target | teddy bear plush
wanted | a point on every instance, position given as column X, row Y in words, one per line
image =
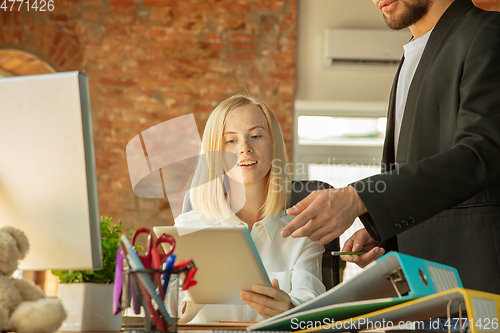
column 23, row 305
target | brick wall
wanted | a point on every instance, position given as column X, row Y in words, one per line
column 152, row 60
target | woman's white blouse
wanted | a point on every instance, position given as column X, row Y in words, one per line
column 294, row 262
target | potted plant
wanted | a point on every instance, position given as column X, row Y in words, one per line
column 88, row 295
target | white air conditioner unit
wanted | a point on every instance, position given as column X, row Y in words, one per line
column 364, row 47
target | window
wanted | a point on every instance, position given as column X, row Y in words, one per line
column 338, row 143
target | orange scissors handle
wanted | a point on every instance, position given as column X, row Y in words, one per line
column 146, row 258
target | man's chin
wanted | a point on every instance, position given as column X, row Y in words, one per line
column 408, row 15
column 395, row 24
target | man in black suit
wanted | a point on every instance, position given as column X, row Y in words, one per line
column 439, row 191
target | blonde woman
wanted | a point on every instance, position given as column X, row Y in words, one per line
column 252, row 193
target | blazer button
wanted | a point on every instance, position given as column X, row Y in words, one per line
column 411, row 219
column 404, row 223
column 397, row 226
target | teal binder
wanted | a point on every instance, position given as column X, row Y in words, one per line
column 393, row 279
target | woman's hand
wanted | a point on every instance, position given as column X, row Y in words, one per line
column 362, row 242
column 267, row 301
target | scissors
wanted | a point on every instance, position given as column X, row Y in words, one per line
column 152, row 259
column 152, row 253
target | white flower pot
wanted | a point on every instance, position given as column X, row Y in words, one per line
column 89, row 307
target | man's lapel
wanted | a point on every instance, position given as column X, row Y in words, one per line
column 388, row 157
column 432, row 46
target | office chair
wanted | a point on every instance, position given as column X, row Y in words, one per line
column 330, row 264
column 301, row 189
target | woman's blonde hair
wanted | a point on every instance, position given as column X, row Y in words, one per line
column 207, row 192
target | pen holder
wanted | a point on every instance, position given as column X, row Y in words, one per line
column 144, row 314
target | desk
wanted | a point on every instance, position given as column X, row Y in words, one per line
column 195, row 328
column 206, row 329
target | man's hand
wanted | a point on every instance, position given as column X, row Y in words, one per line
column 324, row 215
column 267, row 301
column 361, row 241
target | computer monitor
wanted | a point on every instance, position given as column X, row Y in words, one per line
column 47, row 170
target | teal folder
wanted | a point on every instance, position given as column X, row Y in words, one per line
column 393, row 279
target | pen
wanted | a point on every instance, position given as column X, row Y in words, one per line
column 169, row 265
column 340, row 253
column 146, row 284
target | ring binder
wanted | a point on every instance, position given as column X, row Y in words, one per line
column 397, row 276
column 480, row 317
column 393, row 279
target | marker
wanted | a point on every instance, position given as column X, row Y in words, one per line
column 339, row 253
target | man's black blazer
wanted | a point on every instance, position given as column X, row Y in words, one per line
column 442, row 199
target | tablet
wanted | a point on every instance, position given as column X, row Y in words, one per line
column 226, row 257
